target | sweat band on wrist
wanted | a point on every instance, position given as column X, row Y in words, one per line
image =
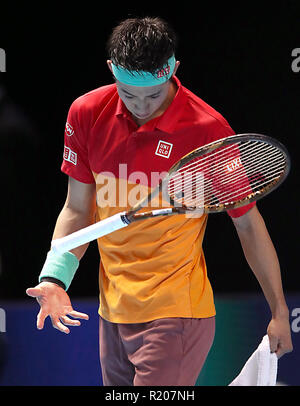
column 142, row 78
column 60, row 266
column 53, row 280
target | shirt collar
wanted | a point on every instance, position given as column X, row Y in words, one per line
column 168, row 120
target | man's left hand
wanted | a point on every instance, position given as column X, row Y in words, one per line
column 279, row 333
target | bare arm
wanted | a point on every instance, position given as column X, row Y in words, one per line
column 78, row 212
column 262, row 259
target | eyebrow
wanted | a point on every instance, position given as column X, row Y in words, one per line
column 130, row 94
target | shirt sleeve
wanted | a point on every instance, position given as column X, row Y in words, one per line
column 75, row 156
column 241, row 210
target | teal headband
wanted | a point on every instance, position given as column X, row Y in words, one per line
column 143, row 79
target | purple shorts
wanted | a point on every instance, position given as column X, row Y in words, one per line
column 163, row 352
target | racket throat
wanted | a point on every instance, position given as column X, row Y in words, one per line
column 125, row 218
column 131, row 217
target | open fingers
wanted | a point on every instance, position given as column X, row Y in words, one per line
column 40, row 321
column 56, row 323
column 78, row 315
column 69, row 322
column 61, row 321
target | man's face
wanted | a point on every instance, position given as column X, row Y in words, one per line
column 143, row 102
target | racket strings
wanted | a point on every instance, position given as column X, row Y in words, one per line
column 228, row 173
column 216, row 154
column 227, row 190
column 200, row 164
column 195, row 164
column 198, row 169
column 246, row 182
column 261, row 171
column 242, row 192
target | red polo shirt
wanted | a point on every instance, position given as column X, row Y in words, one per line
column 154, row 268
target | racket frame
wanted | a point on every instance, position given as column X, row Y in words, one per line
column 132, row 214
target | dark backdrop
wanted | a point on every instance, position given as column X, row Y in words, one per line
column 235, row 56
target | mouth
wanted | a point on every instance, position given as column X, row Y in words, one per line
column 142, row 116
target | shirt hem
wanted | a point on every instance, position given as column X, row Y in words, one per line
column 70, row 173
column 192, row 315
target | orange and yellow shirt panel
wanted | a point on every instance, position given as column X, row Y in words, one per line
column 153, row 268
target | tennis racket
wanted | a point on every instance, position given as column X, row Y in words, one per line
column 220, row 176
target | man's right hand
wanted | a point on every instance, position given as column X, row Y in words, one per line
column 55, row 302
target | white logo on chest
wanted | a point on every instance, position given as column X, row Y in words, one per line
column 164, row 149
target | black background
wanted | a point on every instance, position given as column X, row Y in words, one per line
column 234, row 55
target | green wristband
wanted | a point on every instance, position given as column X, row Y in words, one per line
column 60, row 266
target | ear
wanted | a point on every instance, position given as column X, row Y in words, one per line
column 109, row 65
column 176, row 67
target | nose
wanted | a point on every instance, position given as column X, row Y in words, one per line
column 142, row 106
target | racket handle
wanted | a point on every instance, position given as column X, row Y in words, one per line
column 90, row 233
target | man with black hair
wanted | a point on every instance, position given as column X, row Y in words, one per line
column 157, row 313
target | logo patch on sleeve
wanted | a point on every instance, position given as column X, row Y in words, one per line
column 70, row 156
column 164, row 149
column 69, row 129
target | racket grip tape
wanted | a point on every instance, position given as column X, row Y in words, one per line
column 90, row 233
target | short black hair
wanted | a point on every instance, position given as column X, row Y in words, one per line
column 143, row 44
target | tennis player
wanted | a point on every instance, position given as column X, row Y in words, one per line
column 157, row 313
